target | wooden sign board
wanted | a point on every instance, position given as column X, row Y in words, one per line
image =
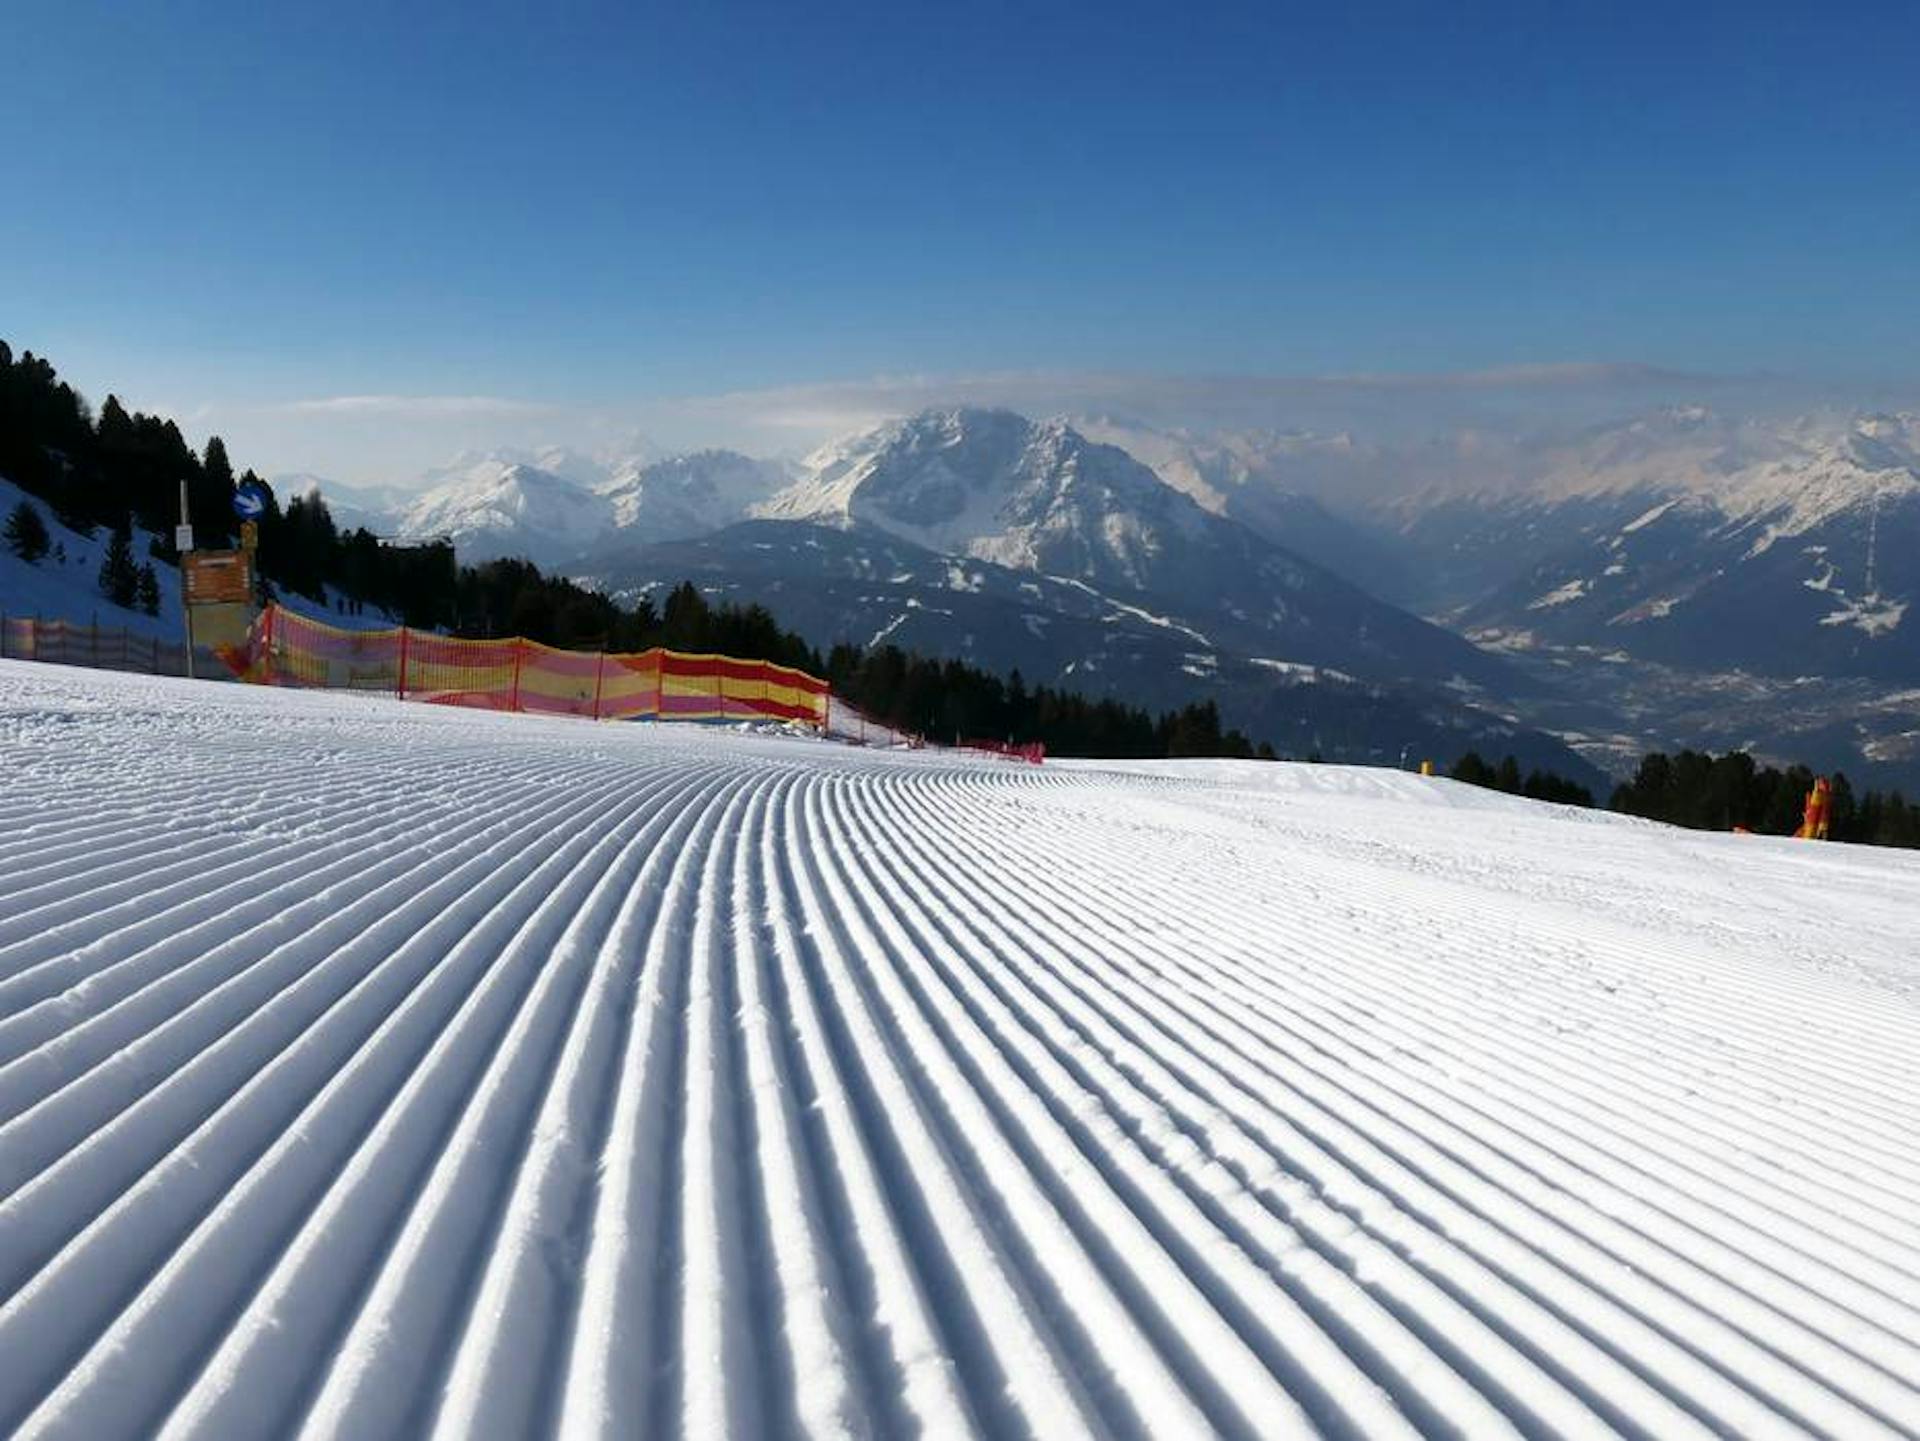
column 222, row 626
column 219, row 577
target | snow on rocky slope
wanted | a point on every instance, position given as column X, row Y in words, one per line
column 1040, row 498
column 64, row 584
column 496, row 508
column 681, row 496
column 559, row 504
column 372, row 1070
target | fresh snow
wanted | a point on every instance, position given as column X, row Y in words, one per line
column 1648, row 517
column 1293, row 670
column 52, row 590
column 372, row 1070
column 1561, row 595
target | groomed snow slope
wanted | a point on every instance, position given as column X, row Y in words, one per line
column 373, row 1070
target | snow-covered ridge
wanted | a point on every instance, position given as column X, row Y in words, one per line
column 553, row 505
column 65, row 583
column 379, row 1070
column 499, row 508
column 995, row 486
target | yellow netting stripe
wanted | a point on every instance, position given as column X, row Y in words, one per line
column 275, row 654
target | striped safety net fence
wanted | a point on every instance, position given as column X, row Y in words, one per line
column 62, row 642
column 848, row 723
column 524, row 675
column 1032, row 752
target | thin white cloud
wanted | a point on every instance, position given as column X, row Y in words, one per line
column 814, row 411
column 397, row 438
column 415, row 406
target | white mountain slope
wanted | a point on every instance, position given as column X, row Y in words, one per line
column 1677, row 520
column 996, row 486
column 1039, row 497
column 383, row 1070
column 683, row 496
column 503, row 504
column 496, row 508
column 64, row 584
column 1792, row 549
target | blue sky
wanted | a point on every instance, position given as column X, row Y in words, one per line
column 347, row 235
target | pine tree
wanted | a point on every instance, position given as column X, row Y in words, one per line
column 147, row 592
column 26, row 533
column 119, row 580
column 1474, row 771
column 216, row 466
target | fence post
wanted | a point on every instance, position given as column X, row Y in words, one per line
column 403, row 662
column 660, row 683
column 519, row 649
column 599, row 680
column 266, row 648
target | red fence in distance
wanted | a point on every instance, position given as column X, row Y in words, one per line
column 523, row 675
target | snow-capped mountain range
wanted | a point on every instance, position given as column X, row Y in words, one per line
column 1681, row 537
column 554, row 505
column 1649, row 535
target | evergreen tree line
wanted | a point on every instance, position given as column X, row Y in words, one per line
column 119, row 469
column 1719, row 793
column 949, row 700
column 1537, row 784
column 122, row 470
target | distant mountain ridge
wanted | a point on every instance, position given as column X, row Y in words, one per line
column 1684, row 539
column 555, row 505
column 1039, row 497
column 864, row 586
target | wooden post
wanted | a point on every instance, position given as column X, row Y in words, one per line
column 519, row 648
column 266, row 647
column 599, row 680
column 403, row 662
column 660, row 683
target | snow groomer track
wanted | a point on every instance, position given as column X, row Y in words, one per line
column 373, row 1070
